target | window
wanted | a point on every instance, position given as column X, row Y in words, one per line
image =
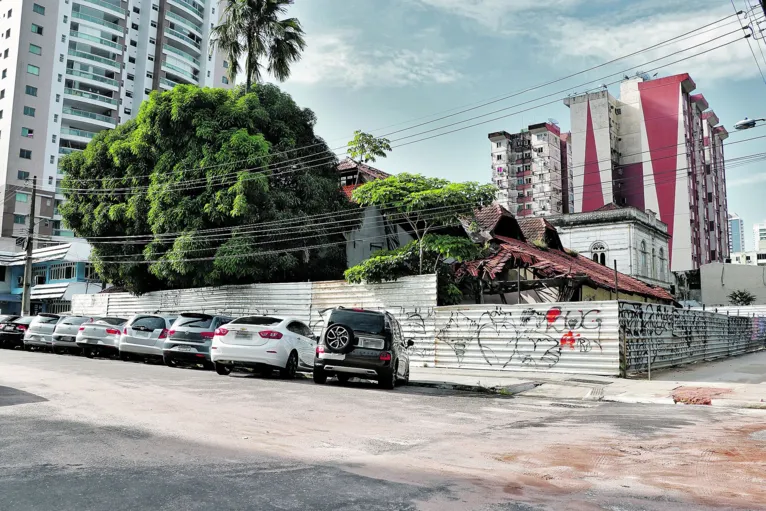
column 66, row 18
column 10, row 11
column 152, row 40
column 498, row 144
column 153, row 24
column 644, row 255
column 60, row 77
column 136, row 10
column 598, row 252
column 27, row 132
column 208, row 74
column 5, row 73
column 33, row 70
column 147, row 91
column 134, row 26
column 19, row 219
column 1, row 114
column 52, row 159
column 39, row 9
column 5, row 54
column 654, row 264
column 224, row 80
column 25, row 153
column 37, row 29
column 127, row 110
column 133, row 43
column 8, row 33
column 62, row 271
column 662, row 264
column 131, row 77
column 23, row 175
column 155, row 7
column 710, row 196
column 28, row 110
column 128, row 94
column 618, row 111
column 61, row 57
column 226, row 66
column 63, row 38
column 58, row 98
column 53, row 139
column 48, row 201
column 712, row 225
column 150, row 58
column 55, row 117
column 22, row 197
column 499, row 157
column 2, row 94
column 149, row 75
column 131, row 60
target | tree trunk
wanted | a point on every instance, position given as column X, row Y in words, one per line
column 420, row 245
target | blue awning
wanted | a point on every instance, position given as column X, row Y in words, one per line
column 10, row 298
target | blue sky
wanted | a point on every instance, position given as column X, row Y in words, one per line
column 386, row 65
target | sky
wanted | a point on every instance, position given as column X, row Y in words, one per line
column 387, row 66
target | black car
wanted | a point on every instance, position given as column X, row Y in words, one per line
column 363, row 343
column 12, row 332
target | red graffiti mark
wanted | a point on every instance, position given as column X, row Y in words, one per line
column 570, row 339
column 552, row 315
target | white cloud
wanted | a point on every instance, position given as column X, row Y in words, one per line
column 495, row 14
column 604, row 39
column 749, row 180
column 337, row 59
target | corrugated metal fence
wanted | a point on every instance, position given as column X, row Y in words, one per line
column 665, row 336
column 574, row 337
column 412, row 300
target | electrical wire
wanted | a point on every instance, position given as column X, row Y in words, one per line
column 749, row 45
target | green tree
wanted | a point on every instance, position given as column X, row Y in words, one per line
column 436, row 249
column 248, row 166
column 741, row 297
column 252, row 29
column 366, row 148
column 423, row 203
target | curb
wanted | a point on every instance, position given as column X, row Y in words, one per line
column 508, row 391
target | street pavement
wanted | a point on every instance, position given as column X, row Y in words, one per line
column 80, row 434
column 749, row 368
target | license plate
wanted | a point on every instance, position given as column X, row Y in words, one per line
column 332, row 356
column 139, row 333
column 185, row 348
column 242, row 335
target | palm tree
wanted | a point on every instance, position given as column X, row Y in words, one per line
column 252, row 28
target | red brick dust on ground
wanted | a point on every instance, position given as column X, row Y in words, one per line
column 697, row 395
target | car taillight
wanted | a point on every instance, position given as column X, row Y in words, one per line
column 21, row 327
column 357, row 309
column 164, row 333
column 270, row 334
column 207, row 335
column 221, row 331
column 125, row 331
column 320, row 350
column 83, row 328
column 171, row 332
column 111, row 331
column 385, row 356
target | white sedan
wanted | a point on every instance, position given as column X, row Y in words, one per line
column 264, row 343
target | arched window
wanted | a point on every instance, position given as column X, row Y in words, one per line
column 662, row 264
column 644, row 268
column 654, row 264
column 598, row 252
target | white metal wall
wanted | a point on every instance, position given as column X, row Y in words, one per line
column 573, row 337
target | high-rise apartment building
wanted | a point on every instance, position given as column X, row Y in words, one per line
column 527, row 169
column 736, row 234
column 759, row 237
column 71, row 68
column 657, row 148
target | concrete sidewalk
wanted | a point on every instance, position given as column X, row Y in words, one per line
column 592, row 388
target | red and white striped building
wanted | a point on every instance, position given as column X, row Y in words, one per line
column 657, row 148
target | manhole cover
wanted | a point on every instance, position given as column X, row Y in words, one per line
column 759, row 435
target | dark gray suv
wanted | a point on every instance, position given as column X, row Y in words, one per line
column 189, row 339
column 363, row 343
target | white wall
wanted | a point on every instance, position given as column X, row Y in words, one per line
column 371, row 231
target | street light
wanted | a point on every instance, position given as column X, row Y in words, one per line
column 746, row 124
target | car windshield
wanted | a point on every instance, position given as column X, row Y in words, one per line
column 46, row 320
column 74, row 320
column 26, row 320
column 148, row 323
column 6, row 318
column 193, row 322
column 111, row 321
column 256, row 320
column 369, row 322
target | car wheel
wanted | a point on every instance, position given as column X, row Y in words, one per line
column 320, row 376
column 339, row 338
column 222, row 369
column 406, row 378
column 125, row 357
column 87, row 352
column 27, row 347
column 343, row 378
column 169, row 362
column 291, row 367
column 387, row 379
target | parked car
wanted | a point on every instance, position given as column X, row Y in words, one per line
column 190, row 337
column 101, row 337
column 263, row 343
column 12, row 332
column 362, row 343
column 144, row 335
column 65, row 335
column 7, row 318
column 39, row 335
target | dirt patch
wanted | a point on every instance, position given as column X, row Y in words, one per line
column 697, row 395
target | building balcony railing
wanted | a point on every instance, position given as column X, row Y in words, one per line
column 181, row 72
column 89, row 115
column 94, row 58
column 191, row 6
column 180, row 53
column 63, row 232
column 97, row 21
column 182, row 37
column 94, row 39
column 89, row 95
column 78, row 133
column 68, row 150
column 107, row 5
column 167, row 83
column 91, row 76
column 185, row 21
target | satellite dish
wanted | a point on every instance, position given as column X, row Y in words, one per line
column 553, row 121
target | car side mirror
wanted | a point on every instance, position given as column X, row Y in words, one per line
column 410, row 343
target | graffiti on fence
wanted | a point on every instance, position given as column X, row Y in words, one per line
column 529, row 337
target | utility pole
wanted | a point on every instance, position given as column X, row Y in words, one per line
column 27, row 292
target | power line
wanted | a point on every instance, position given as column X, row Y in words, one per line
column 750, row 45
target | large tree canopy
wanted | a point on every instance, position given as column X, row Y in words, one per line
column 228, row 185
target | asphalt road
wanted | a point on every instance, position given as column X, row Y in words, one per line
column 79, row 434
column 750, row 368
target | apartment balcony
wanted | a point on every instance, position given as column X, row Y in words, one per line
column 79, row 115
column 175, row 51
column 89, row 97
column 185, row 22
column 93, row 79
column 89, row 58
column 107, row 5
column 107, row 44
column 76, row 135
column 180, row 73
column 186, row 41
column 66, row 151
column 99, row 22
column 189, row 6
column 167, row 84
